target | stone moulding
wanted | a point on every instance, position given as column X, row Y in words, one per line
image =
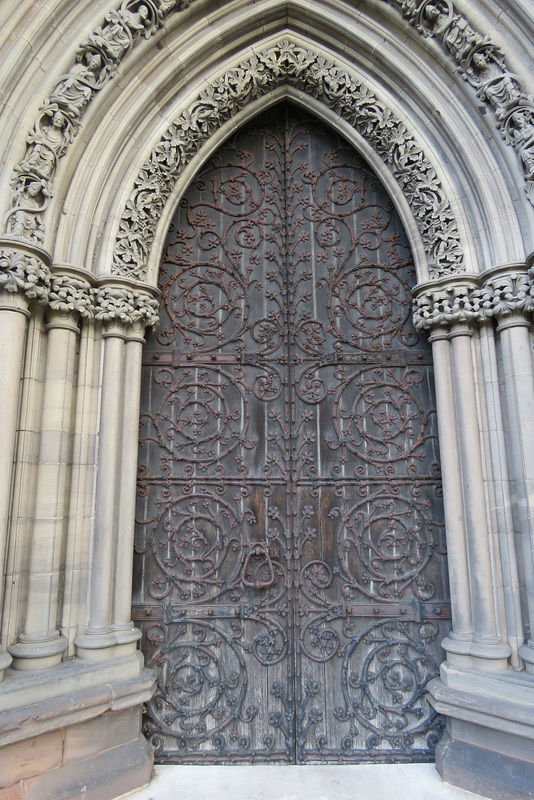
column 482, row 63
column 98, row 58
column 494, row 297
column 323, row 79
column 96, row 62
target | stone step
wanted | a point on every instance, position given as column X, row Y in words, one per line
column 361, row 782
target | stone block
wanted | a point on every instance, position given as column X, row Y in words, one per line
column 101, row 777
column 484, row 771
column 31, row 757
column 98, row 735
column 13, row 792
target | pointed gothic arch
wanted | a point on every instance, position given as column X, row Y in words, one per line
column 435, row 73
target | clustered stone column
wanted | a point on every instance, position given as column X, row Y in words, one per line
column 124, row 315
column 117, row 312
column 450, row 310
column 479, row 327
column 24, row 277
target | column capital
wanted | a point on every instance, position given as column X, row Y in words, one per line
column 130, row 303
column 445, row 302
column 71, row 291
column 504, row 294
column 24, row 268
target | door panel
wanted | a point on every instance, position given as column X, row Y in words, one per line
column 290, row 569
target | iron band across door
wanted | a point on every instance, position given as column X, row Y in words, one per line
column 175, row 613
column 290, row 568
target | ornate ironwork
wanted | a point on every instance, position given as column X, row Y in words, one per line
column 291, row 561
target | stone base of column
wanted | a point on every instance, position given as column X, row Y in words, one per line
column 99, row 760
column 488, row 748
column 74, row 726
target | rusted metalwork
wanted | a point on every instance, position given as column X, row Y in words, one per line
column 290, row 569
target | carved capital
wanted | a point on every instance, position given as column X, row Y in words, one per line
column 446, row 306
column 117, row 303
column 24, row 269
column 507, row 294
column 70, row 294
column 496, row 294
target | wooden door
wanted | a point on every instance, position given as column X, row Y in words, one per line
column 290, row 574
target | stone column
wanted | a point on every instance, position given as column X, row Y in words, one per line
column 512, row 304
column 449, row 311
column 488, row 650
column 41, row 644
column 489, row 706
column 499, row 491
column 125, row 631
column 457, row 643
column 123, row 312
column 24, row 276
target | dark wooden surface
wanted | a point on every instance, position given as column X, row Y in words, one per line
column 290, row 573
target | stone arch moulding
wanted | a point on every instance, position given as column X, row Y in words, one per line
column 480, row 62
column 288, row 63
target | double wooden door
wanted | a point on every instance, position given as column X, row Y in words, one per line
column 290, row 573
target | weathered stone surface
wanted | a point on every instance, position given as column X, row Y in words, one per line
column 102, row 777
column 31, row 757
column 100, row 734
column 485, row 771
column 438, row 96
column 13, row 792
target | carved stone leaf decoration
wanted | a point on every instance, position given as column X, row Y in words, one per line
column 499, row 297
column 96, row 62
column 321, row 78
column 70, row 294
column 118, row 304
column 482, row 63
column 26, row 273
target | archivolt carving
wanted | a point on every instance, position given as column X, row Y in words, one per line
column 98, row 57
column 321, row 78
column 498, row 297
column 481, row 63
column 97, row 60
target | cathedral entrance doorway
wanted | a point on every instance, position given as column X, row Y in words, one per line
column 290, row 574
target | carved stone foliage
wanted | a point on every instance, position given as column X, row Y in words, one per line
column 120, row 304
column 96, row 62
column 69, row 294
column 482, row 63
column 24, row 272
column 321, row 78
column 498, row 297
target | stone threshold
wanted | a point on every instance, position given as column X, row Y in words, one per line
column 310, row 782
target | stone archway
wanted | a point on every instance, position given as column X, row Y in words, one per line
column 68, row 549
